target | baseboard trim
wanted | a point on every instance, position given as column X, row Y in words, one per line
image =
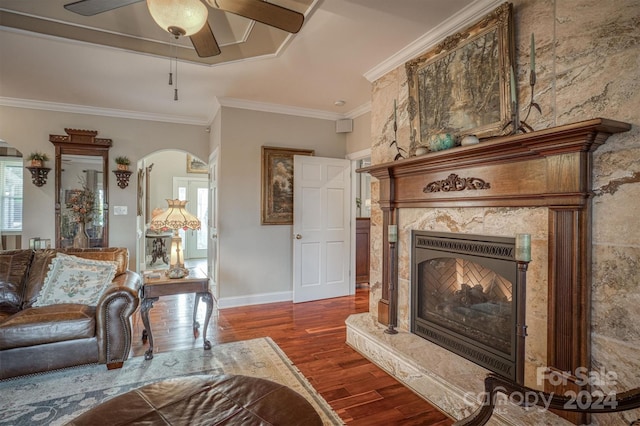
column 254, row 299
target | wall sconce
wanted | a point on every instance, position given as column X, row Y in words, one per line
column 123, row 177
column 39, row 175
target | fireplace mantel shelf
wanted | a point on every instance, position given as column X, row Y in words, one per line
column 543, row 168
column 549, row 168
column 576, row 137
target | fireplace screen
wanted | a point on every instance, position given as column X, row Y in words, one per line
column 463, row 296
column 467, row 298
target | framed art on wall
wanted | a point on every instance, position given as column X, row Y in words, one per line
column 277, row 185
column 195, row 166
column 462, row 86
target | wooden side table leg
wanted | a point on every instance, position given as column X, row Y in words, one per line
column 196, row 324
column 208, row 299
column 145, row 306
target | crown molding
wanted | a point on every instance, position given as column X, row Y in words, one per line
column 105, row 112
column 165, row 118
column 361, row 110
column 452, row 25
column 279, row 109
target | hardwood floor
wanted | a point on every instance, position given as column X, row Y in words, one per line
column 313, row 336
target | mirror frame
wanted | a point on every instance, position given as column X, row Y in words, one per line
column 81, row 142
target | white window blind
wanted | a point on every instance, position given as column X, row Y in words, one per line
column 10, row 194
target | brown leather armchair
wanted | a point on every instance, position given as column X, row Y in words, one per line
column 38, row 339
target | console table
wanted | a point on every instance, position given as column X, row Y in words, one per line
column 156, row 284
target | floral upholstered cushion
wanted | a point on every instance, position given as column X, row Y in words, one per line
column 73, row 279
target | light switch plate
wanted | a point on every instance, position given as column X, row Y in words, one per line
column 119, row 210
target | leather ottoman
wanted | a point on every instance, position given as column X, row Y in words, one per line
column 205, row 400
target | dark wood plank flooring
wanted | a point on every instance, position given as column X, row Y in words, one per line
column 313, row 336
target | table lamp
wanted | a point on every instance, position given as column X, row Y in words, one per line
column 175, row 217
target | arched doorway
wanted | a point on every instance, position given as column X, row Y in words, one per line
column 171, row 174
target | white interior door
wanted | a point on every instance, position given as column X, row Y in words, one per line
column 321, row 228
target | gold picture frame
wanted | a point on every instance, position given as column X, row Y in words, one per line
column 462, row 86
column 276, row 198
column 195, row 165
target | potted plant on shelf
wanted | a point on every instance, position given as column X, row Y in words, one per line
column 37, row 159
column 122, row 162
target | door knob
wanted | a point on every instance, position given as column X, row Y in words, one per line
column 298, row 236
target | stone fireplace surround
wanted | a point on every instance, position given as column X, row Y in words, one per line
column 539, row 183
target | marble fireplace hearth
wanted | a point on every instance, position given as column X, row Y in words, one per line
column 448, row 381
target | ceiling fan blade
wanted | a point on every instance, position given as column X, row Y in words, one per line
column 205, row 42
column 261, row 11
column 93, row 7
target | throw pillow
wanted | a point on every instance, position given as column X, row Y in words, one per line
column 72, row 279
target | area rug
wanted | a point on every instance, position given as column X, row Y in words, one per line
column 57, row 397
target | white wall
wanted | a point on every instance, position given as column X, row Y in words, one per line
column 167, row 164
column 360, row 138
column 28, row 130
column 256, row 260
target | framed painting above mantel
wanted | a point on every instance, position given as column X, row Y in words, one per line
column 462, row 86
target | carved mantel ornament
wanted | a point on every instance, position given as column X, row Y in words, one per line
column 456, row 183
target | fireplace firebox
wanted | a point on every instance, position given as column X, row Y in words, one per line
column 464, row 294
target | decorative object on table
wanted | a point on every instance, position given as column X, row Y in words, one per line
column 276, row 201
column 37, row 159
column 38, row 243
column 441, row 141
column 81, row 206
column 174, row 218
column 196, row 166
column 469, row 140
column 395, row 134
column 461, row 86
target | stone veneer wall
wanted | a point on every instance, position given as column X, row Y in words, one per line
column 587, row 64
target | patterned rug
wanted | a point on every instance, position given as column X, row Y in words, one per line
column 57, row 397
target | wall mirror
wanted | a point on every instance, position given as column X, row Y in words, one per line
column 82, row 189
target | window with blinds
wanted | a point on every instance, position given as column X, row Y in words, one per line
column 10, row 194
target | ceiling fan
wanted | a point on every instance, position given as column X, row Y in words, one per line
column 170, row 15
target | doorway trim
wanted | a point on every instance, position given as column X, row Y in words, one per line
column 354, row 157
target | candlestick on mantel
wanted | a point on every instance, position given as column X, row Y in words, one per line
column 523, row 247
column 512, row 85
column 395, row 111
column 533, row 53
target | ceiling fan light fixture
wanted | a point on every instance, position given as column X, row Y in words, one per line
column 179, row 17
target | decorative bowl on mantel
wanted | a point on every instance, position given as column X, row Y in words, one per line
column 441, row 141
column 421, row 150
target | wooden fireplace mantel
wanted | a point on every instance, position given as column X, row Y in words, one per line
column 546, row 168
